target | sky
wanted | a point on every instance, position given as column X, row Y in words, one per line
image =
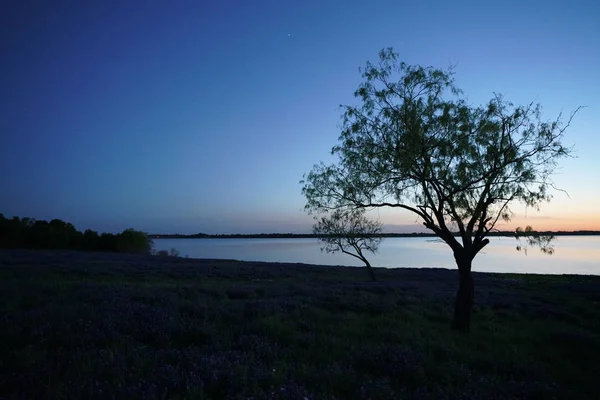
column 203, row 116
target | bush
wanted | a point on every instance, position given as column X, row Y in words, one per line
column 167, row 253
column 132, row 241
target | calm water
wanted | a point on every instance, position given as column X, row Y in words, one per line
column 574, row 254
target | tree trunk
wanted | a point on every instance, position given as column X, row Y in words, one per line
column 465, row 296
column 370, row 269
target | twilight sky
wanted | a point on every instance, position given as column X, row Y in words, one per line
column 202, row 116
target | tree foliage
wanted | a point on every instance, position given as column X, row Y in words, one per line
column 534, row 239
column 350, row 232
column 410, row 146
column 28, row 233
column 132, row 241
column 414, row 143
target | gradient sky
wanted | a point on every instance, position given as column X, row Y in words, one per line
column 202, row 116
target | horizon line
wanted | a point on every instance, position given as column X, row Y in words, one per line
column 511, row 232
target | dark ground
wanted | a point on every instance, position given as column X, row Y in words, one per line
column 101, row 326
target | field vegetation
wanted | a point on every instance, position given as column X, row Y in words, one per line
column 106, row 326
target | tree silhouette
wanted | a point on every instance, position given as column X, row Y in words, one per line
column 350, row 232
column 415, row 144
column 132, row 241
column 17, row 233
column 90, row 240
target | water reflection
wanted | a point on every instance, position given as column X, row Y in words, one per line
column 574, row 254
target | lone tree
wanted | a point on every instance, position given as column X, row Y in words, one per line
column 350, row 232
column 415, row 144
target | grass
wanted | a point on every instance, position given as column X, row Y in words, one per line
column 100, row 326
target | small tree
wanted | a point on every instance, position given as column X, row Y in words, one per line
column 347, row 231
column 414, row 144
column 132, row 241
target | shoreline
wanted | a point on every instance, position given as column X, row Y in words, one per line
column 23, row 256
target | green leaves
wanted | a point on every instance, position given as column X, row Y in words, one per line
column 413, row 142
column 534, row 239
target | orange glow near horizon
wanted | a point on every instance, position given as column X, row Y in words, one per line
column 582, row 221
column 591, row 223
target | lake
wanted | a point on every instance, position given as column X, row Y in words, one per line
column 573, row 254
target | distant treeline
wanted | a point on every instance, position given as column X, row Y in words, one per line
column 28, row 233
column 311, row 236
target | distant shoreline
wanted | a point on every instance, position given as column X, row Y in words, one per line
column 313, row 236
